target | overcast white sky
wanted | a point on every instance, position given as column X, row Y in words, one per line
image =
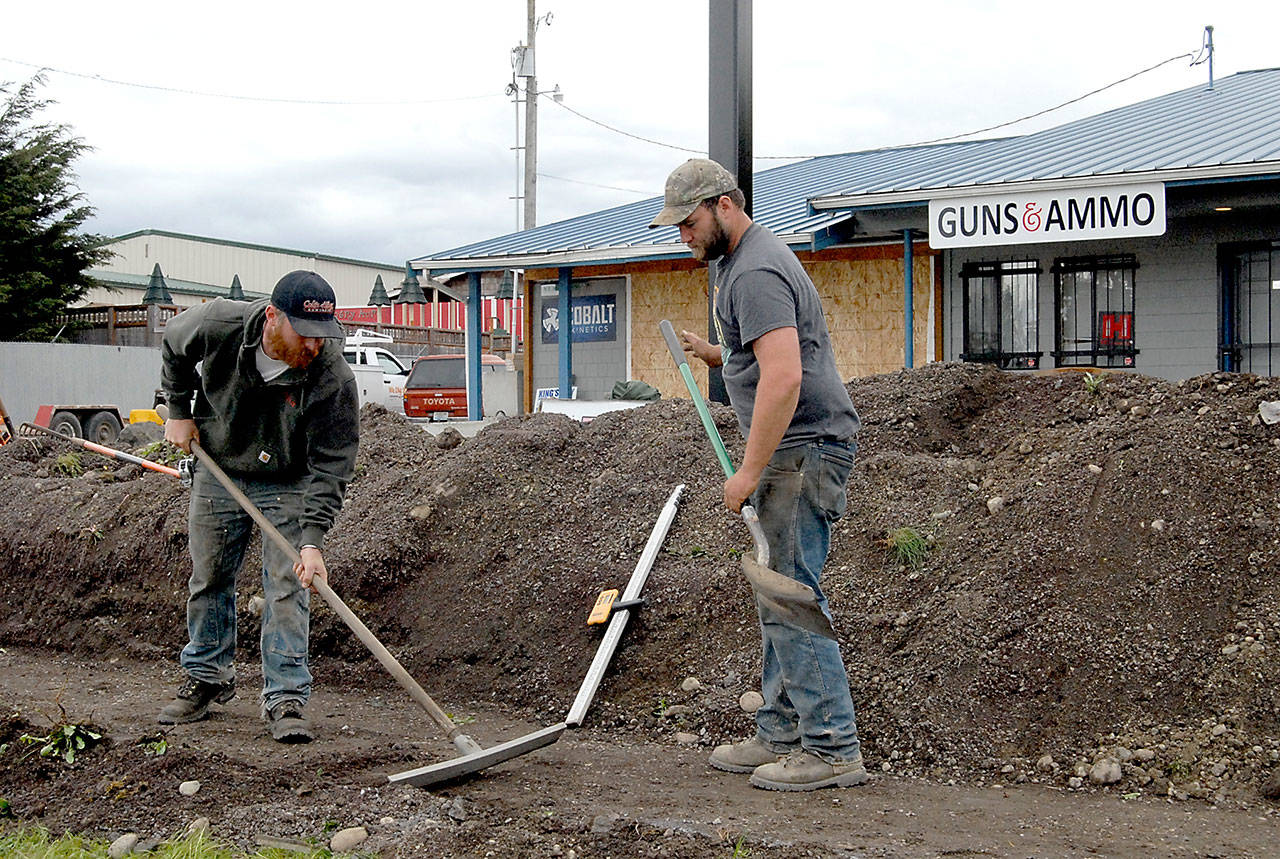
column 435, row 168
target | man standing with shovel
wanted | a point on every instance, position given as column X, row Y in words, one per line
column 794, row 411
column 276, row 406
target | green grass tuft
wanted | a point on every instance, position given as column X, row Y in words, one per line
column 908, row 545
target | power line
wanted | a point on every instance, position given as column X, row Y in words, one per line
column 900, row 146
column 614, row 129
column 596, row 185
column 1055, row 107
column 236, row 97
column 608, row 127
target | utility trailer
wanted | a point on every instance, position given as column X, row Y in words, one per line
column 100, row 424
column 87, row 390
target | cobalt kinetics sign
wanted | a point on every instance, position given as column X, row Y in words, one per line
column 595, row 318
column 1119, row 211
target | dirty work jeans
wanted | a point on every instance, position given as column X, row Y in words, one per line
column 219, row 534
column 804, row 684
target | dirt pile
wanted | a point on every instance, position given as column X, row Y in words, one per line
column 1098, row 600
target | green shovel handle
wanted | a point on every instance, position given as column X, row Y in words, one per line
column 677, row 352
column 748, row 512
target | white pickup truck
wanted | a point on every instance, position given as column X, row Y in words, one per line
column 379, row 373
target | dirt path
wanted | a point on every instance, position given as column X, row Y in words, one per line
column 593, row 793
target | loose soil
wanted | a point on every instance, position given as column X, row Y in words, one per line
column 1100, row 593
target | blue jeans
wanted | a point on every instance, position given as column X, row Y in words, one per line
column 804, row 684
column 219, row 532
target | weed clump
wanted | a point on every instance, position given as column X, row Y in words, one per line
column 68, row 464
column 908, row 545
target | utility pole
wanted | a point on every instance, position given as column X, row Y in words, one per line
column 531, row 126
column 523, row 65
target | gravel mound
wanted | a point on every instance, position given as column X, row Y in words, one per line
column 1093, row 598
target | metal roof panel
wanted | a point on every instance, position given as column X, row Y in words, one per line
column 1235, row 123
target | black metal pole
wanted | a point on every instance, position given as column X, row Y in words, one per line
column 729, row 125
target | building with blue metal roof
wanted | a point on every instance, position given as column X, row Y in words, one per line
column 1145, row 238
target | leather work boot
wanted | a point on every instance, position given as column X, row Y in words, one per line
column 193, row 700
column 743, row 757
column 288, row 723
column 803, row 770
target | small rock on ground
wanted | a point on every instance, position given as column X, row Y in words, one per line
column 1105, row 771
column 347, row 839
column 123, row 845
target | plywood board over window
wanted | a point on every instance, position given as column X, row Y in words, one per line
column 862, row 297
column 680, row 296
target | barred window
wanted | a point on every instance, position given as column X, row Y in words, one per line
column 1249, row 327
column 1002, row 313
column 1094, row 301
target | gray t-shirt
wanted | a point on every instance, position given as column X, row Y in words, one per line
column 760, row 287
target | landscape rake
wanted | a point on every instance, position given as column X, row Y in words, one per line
column 474, row 756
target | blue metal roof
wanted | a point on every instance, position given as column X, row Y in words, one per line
column 780, row 202
column 1197, row 133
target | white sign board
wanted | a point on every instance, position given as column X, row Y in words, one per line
column 552, row 393
column 1120, row 211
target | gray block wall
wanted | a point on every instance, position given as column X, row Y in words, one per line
column 1176, row 297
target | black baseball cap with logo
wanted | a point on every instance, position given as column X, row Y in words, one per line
column 308, row 300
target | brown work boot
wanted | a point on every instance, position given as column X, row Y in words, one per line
column 802, row 770
column 288, row 723
column 743, row 757
column 193, row 700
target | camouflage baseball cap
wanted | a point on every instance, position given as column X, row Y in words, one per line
column 688, row 185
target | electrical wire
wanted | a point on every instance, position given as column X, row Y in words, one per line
column 608, row 127
column 900, row 146
column 595, row 184
column 235, row 97
column 1195, row 60
column 1047, row 109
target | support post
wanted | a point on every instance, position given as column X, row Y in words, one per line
column 729, row 128
column 566, row 333
column 527, row 287
column 908, row 291
column 475, row 393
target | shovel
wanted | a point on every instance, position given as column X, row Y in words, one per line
column 474, row 757
column 784, row 597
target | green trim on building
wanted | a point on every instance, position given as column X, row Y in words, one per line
column 397, row 269
column 179, row 287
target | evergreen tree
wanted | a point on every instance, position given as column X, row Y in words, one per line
column 43, row 256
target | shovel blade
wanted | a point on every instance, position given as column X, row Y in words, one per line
column 467, row 764
column 786, row 599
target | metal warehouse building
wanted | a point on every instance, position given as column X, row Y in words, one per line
column 197, row 269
